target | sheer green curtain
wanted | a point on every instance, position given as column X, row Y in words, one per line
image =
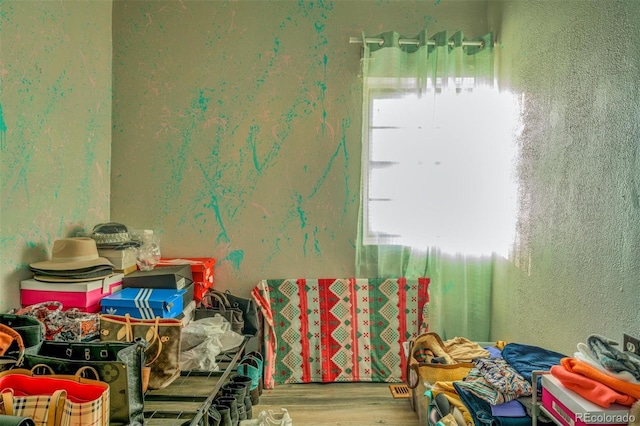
column 448, row 219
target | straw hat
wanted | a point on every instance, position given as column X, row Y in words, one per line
column 72, row 253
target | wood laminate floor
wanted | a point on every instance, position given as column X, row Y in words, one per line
column 323, row 404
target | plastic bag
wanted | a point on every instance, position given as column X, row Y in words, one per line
column 203, row 340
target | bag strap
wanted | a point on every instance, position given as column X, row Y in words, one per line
column 56, row 412
column 223, row 302
column 411, row 365
column 152, row 333
column 221, row 296
column 156, row 330
column 120, row 334
column 236, row 305
column 152, row 339
column 79, row 376
column 7, row 402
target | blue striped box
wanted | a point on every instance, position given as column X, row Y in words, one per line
column 145, row 303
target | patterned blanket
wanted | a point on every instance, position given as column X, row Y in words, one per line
column 339, row 330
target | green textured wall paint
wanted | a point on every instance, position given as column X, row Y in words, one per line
column 55, row 129
column 245, row 116
column 234, row 132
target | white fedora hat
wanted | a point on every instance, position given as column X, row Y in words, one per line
column 72, row 253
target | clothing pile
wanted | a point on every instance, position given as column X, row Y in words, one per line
column 601, row 373
column 497, row 390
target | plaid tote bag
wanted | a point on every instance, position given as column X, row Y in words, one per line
column 55, row 400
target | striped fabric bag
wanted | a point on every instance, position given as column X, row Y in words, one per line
column 54, row 400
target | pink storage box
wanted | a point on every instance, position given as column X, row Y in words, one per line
column 570, row 409
column 85, row 296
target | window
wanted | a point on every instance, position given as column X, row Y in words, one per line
column 439, row 167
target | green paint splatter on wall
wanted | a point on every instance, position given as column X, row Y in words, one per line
column 304, row 244
column 203, row 101
column 235, row 257
column 301, row 213
column 323, row 90
column 251, row 141
column 316, row 242
column 3, row 125
column 3, row 129
column 342, row 147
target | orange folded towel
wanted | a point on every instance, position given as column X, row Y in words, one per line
column 590, row 389
column 580, row 367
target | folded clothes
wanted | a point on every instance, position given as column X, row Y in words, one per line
column 512, row 408
column 579, row 367
column 480, row 387
column 503, row 377
column 590, row 389
column 526, row 359
column 612, row 358
column 481, row 410
column 584, row 354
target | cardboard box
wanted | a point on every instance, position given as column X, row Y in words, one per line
column 202, row 269
column 127, row 271
column 85, row 295
column 188, row 295
column 570, row 409
column 121, row 259
column 187, row 314
column 145, row 303
column 168, row 277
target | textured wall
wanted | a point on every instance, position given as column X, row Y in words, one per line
column 237, row 126
column 576, row 65
column 55, row 129
column 236, row 132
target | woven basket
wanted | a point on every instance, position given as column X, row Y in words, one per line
column 433, row 372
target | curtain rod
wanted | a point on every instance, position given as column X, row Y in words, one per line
column 380, row 41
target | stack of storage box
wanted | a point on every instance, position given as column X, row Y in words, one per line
column 124, row 260
column 567, row 408
column 85, row 295
column 165, row 292
column 201, row 269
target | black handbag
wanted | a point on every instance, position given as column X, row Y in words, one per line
column 30, row 329
column 216, row 302
column 249, row 310
column 119, row 364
